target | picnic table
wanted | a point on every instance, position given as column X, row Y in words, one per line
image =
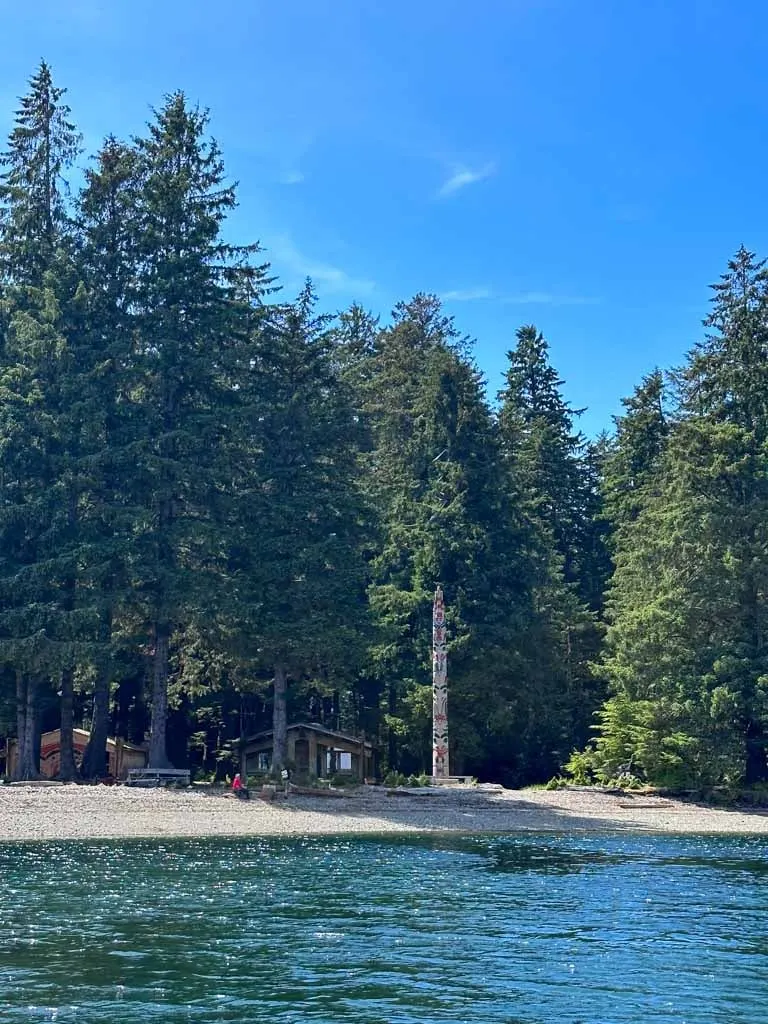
column 157, row 776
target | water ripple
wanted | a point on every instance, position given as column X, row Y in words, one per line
column 504, row 930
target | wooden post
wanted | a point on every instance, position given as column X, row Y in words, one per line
column 440, row 757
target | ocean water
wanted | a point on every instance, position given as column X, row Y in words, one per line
column 572, row 929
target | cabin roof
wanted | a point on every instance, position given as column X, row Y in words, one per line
column 53, row 737
column 316, row 728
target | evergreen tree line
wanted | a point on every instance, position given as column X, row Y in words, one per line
column 685, row 487
column 221, row 509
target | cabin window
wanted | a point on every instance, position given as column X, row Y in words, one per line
column 338, row 761
column 263, row 761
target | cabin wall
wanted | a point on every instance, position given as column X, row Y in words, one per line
column 121, row 757
column 313, row 754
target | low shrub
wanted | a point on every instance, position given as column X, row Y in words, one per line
column 394, row 779
column 339, row 781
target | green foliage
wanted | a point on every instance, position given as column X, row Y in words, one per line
column 344, row 781
column 580, row 767
column 419, row 781
column 395, row 779
column 558, row 782
column 633, row 456
column 434, row 474
column 685, row 653
column 553, row 476
column 216, row 507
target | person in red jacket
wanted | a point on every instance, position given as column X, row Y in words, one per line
column 239, row 789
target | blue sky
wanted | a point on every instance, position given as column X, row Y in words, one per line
column 585, row 165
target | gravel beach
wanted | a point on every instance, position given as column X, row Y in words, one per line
column 91, row 812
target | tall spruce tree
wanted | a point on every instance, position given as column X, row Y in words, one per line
column 553, row 474
column 102, row 339
column 686, row 656
column 42, row 145
column 296, row 565
column 36, row 577
column 194, row 296
column 634, row 454
column 435, row 478
column 537, row 427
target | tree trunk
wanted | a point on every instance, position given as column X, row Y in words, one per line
column 280, row 720
column 391, row 734
column 37, row 738
column 241, row 745
column 26, row 768
column 21, row 724
column 67, row 767
column 94, row 764
column 756, row 769
column 158, row 756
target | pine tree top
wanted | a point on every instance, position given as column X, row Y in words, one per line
column 42, row 145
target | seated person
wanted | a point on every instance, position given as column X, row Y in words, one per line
column 240, row 789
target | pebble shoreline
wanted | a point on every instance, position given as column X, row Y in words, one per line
column 57, row 812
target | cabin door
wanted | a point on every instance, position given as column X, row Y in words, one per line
column 302, row 757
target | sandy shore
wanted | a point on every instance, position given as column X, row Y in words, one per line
column 90, row 812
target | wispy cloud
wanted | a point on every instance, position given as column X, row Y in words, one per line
column 289, row 260
column 532, row 298
column 291, row 178
column 464, row 176
column 466, row 294
column 548, row 299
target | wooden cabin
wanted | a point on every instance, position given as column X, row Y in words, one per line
column 121, row 756
column 314, row 752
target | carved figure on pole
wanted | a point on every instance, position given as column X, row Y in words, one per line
column 440, row 761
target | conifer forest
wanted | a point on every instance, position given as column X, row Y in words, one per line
column 222, row 508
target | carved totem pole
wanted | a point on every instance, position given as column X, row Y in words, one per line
column 440, row 766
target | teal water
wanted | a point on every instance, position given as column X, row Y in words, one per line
column 601, row 929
